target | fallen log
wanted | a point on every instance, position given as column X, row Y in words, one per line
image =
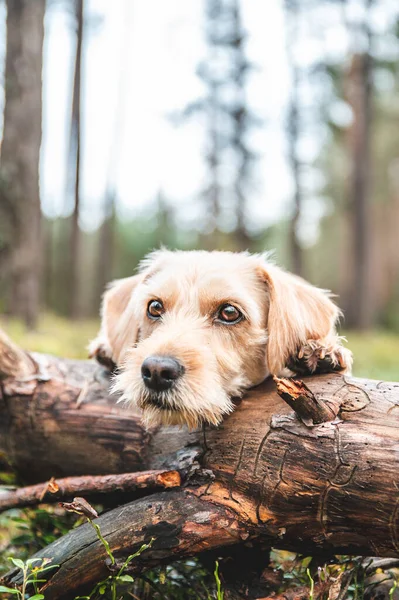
column 57, row 418
column 266, row 475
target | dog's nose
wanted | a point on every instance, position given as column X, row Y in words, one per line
column 160, row 372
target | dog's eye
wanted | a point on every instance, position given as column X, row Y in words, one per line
column 155, row 309
column 229, row 314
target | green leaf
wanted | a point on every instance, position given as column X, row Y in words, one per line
column 3, row 588
column 32, row 561
column 37, row 597
column 102, row 590
column 17, row 562
column 126, row 578
column 18, row 520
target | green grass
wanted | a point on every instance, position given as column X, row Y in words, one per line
column 54, row 335
column 376, row 353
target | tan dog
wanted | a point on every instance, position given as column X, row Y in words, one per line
column 193, row 329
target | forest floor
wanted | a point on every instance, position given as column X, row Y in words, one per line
column 375, row 352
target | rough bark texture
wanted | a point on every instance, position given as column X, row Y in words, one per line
column 20, row 154
column 262, row 477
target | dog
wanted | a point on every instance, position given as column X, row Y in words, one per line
column 193, row 330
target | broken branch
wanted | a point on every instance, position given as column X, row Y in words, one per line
column 310, row 409
column 60, row 489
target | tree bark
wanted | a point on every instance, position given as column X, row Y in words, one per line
column 266, row 476
column 20, row 155
column 74, row 160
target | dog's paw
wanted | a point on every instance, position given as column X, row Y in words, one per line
column 316, row 357
column 100, row 350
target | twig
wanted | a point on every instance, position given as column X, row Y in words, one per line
column 69, row 487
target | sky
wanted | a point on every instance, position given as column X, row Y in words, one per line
column 139, row 67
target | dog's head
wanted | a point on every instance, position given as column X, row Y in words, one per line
column 193, row 329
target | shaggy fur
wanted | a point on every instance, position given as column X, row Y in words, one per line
column 283, row 317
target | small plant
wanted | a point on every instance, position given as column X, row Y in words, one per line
column 219, row 591
column 112, row 581
column 81, row 507
column 311, row 580
column 30, row 576
column 393, row 588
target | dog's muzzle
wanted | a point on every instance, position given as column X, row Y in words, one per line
column 160, row 373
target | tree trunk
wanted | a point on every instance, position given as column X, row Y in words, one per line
column 106, row 245
column 270, row 475
column 20, row 155
column 75, row 167
column 359, row 92
column 242, row 121
column 293, row 134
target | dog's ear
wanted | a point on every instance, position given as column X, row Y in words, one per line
column 119, row 328
column 298, row 312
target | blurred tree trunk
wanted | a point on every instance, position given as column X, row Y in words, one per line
column 359, row 95
column 48, row 262
column 20, row 155
column 106, row 246
column 165, row 223
column 213, row 111
column 213, row 160
column 75, row 168
column 241, row 118
column 293, row 132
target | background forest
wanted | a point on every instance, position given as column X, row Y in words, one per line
column 211, row 124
